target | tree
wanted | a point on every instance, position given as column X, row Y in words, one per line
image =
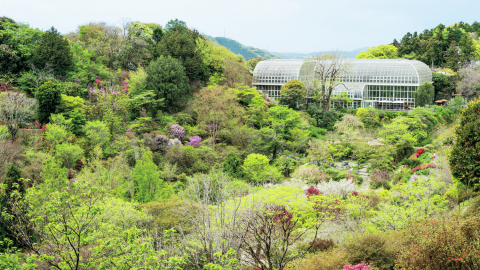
column 148, row 186
column 328, row 71
column 350, row 125
column 9, row 60
column 257, row 169
column 232, row 165
column 444, row 85
column 54, row 49
column 49, row 96
column 16, row 109
column 424, row 94
column 292, row 93
column 179, row 42
column 97, row 133
column 469, row 84
column 167, row 78
column 465, row 155
column 380, row 52
column 217, row 108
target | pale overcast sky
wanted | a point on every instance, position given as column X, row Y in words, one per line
column 277, row 25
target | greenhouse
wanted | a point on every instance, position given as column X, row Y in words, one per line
column 387, row 84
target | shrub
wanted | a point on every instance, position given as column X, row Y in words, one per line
column 195, row 141
column 360, row 266
column 318, row 245
column 342, row 188
column 97, row 133
column 166, row 214
column 334, row 258
column 285, row 165
column 411, row 163
column 424, row 166
column 49, row 96
column 369, row 116
column 55, row 135
column 441, row 244
column 312, row 191
column 257, row 169
column 176, row 131
column 310, row 174
column 68, row 154
column 371, row 248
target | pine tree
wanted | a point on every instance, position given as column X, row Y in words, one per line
column 54, row 50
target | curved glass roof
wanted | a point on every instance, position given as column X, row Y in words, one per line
column 370, row 71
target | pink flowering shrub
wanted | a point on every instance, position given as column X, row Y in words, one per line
column 361, row 266
column 424, row 166
column 267, row 99
column 195, row 141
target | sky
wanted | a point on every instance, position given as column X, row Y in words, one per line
column 299, row 26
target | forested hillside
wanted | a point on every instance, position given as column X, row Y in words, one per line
column 247, row 52
column 143, row 146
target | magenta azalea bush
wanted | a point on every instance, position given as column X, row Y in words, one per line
column 195, row 141
column 361, row 266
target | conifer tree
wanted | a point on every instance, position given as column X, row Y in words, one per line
column 54, row 50
column 465, row 155
column 232, row 165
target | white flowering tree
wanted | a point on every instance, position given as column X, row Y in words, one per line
column 15, row 109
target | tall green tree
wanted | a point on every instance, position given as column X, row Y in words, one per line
column 179, row 42
column 49, row 96
column 54, row 50
column 167, row 78
column 232, row 165
column 424, row 94
column 148, row 186
column 292, row 93
column 465, row 155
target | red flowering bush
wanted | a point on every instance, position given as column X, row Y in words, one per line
column 424, row 166
column 312, row 191
column 420, row 152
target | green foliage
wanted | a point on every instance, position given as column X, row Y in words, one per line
column 268, row 142
column 424, row 95
column 55, row 135
column 444, row 85
column 371, row 248
column 54, row 50
column 292, row 93
column 166, row 214
column 180, row 43
column 465, row 155
column 213, row 55
column 340, row 151
column 380, row 52
column 167, row 78
column 49, row 96
column 68, row 154
column 285, row 165
column 369, row 116
column 232, row 165
column 147, row 183
column 191, row 159
column 258, row 169
column 426, row 248
column 97, row 133
column 21, row 41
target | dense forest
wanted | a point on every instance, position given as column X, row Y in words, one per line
column 143, row 146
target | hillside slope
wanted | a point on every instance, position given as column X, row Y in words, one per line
column 238, row 48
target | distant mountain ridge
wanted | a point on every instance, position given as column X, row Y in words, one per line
column 238, row 48
column 252, row 52
column 347, row 54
